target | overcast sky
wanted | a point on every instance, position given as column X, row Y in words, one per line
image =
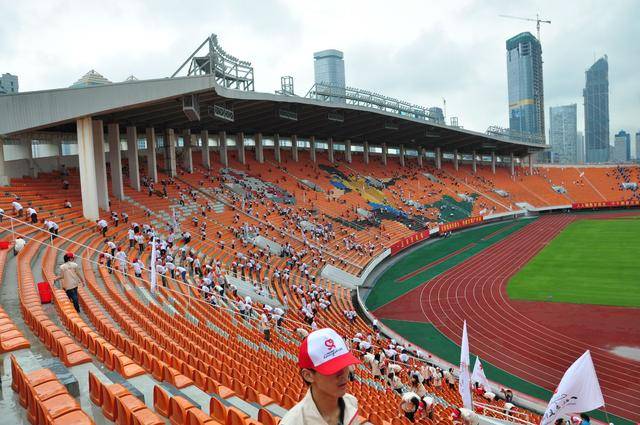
column 419, row 51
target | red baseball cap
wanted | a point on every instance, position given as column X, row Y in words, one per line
column 325, row 352
column 69, row 255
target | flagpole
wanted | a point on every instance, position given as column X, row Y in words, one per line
column 606, row 415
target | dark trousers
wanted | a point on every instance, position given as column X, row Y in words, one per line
column 73, row 296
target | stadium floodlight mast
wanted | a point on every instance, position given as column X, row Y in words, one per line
column 228, row 70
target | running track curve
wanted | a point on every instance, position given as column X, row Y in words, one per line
column 475, row 291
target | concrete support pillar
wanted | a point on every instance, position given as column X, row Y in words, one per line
column 204, row 138
column 330, row 149
column 276, row 148
column 493, row 162
column 384, row 153
column 347, row 151
column 86, row 160
column 187, row 154
column 33, row 171
column 438, row 158
column 259, row 148
column 294, row 147
column 402, row 155
column 474, row 162
column 58, row 143
column 170, row 152
column 113, row 134
column 455, row 159
column 152, row 163
column 312, row 149
column 365, row 152
column 222, row 148
column 100, row 165
column 422, row 152
column 4, row 179
column 530, row 164
column 242, row 158
column 132, row 156
column 512, row 163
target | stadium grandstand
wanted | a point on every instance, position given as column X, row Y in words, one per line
column 214, row 227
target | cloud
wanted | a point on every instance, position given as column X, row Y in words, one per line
column 419, row 51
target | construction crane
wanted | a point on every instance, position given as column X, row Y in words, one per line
column 538, row 21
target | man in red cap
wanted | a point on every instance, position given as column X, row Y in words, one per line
column 324, row 362
column 71, row 278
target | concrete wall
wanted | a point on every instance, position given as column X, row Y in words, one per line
column 20, row 167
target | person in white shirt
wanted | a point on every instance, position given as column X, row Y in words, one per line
column 171, row 268
column 52, row 227
column 102, row 226
column 242, row 307
column 112, row 247
column 32, row 214
column 140, row 241
column 17, row 208
column 183, row 273
column 132, row 238
column 465, row 417
column 161, row 270
column 18, row 245
column 137, row 268
column 122, row 261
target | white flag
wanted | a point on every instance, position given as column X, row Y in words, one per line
column 464, row 385
column 479, row 376
column 152, row 266
column 578, row 391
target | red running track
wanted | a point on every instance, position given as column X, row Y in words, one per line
column 475, row 291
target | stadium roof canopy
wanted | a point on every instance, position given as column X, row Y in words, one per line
column 159, row 103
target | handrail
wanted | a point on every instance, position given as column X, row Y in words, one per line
column 505, row 417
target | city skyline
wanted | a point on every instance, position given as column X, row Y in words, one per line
column 450, row 51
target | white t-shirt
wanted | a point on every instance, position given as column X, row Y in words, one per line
column 102, row 223
column 19, row 244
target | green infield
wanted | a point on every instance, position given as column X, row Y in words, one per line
column 434, row 258
column 589, row 262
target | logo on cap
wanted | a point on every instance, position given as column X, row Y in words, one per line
column 330, row 344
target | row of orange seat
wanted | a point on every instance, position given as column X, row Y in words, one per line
column 47, row 400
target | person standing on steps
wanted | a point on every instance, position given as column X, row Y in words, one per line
column 71, row 279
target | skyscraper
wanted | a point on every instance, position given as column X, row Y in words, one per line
column 622, row 147
column 8, row 84
column 580, row 147
column 526, row 92
column 328, row 67
column 638, row 146
column 563, row 130
column 596, row 111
